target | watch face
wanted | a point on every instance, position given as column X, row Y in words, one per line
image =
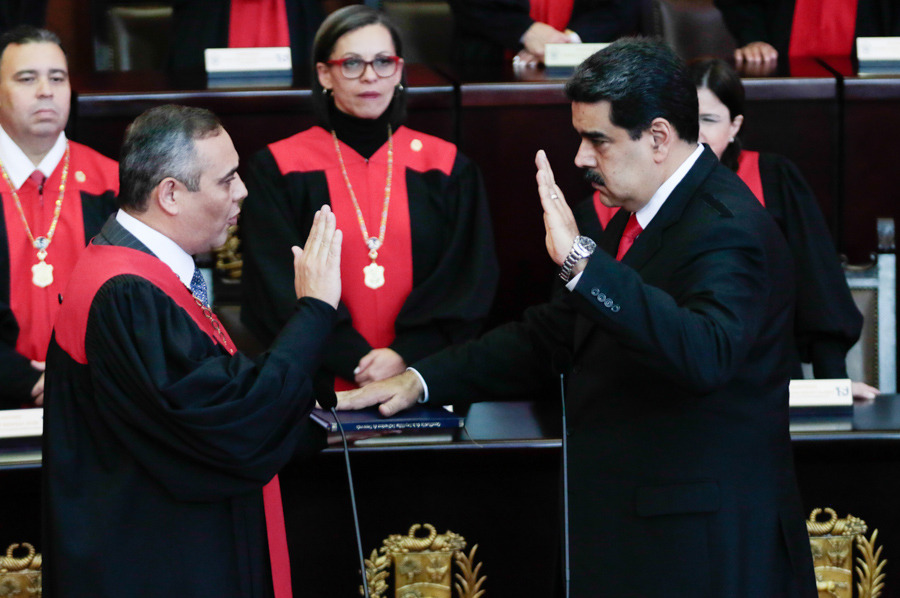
column 585, row 245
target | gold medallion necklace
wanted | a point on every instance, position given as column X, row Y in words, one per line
column 41, row 272
column 373, row 273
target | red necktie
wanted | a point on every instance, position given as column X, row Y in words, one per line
column 38, row 178
column 632, row 230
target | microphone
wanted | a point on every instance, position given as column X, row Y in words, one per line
column 562, row 363
column 328, row 400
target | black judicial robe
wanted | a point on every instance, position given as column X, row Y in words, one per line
column 485, row 29
column 681, row 480
column 453, row 262
column 827, row 322
column 157, row 441
column 201, row 24
column 771, row 21
column 93, row 181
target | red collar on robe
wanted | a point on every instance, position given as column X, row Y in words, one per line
column 373, row 311
column 99, row 264
column 35, row 308
column 258, row 24
column 823, row 28
column 556, row 13
column 748, row 171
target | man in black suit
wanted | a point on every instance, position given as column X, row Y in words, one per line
column 681, row 475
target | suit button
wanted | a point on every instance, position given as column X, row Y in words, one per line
column 595, row 291
column 615, row 308
column 601, row 297
column 608, row 303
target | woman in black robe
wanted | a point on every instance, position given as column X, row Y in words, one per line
column 418, row 266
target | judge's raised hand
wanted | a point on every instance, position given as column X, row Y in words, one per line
column 378, row 364
column 392, row 395
column 559, row 222
column 317, row 267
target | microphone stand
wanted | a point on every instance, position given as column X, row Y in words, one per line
column 565, row 460
column 359, row 548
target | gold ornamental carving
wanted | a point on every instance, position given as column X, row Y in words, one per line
column 832, row 541
column 428, row 566
column 20, row 576
column 229, row 261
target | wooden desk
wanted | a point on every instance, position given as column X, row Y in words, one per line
column 500, row 489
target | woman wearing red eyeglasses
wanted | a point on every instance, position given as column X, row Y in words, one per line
column 417, row 267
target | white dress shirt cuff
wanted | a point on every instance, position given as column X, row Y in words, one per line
column 424, row 397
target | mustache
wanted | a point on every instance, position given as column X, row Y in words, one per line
column 592, row 176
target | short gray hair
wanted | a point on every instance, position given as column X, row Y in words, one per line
column 159, row 144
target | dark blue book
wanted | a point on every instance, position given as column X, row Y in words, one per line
column 419, row 418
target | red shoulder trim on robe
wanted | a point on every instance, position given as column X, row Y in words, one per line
column 100, row 263
column 823, row 28
column 748, row 170
column 555, row 13
column 258, row 24
column 90, row 175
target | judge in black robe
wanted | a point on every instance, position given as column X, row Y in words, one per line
column 772, row 21
column 440, row 225
column 158, row 437
column 201, row 24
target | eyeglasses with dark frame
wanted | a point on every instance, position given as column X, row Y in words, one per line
column 353, row 67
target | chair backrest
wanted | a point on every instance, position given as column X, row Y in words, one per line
column 873, row 359
column 139, row 36
column 426, row 27
column 694, row 28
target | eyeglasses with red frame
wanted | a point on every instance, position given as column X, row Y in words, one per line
column 353, row 67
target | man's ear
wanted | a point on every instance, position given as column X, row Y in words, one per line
column 166, row 195
column 661, row 136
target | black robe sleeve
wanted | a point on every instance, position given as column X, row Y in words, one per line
column 827, row 321
column 15, row 370
column 205, row 424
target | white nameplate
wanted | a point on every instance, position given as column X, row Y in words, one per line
column 821, row 393
column 878, row 49
column 247, row 61
column 20, row 423
column 569, row 54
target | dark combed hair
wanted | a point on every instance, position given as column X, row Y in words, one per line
column 717, row 76
column 159, row 144
column 26, row 34
column 339, row 23
column 642, row 79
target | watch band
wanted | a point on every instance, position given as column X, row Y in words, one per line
column 582, row 247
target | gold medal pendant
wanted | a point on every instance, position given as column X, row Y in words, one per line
column 374, row 276
column 42, row 274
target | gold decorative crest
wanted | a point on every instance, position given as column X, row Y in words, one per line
column 229, row 261
column 832, row 550
column 423, row 566
column 20, row 577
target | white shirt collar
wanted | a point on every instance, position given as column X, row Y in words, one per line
column 162, row 246
column 19, row 166
column 646, row 214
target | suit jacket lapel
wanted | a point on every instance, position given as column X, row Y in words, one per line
column 650, row 240
column 114, row 233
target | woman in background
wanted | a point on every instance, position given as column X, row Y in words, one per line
column 418, row 267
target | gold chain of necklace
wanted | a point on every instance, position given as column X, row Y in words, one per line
column 43, row 272
column 374, row 244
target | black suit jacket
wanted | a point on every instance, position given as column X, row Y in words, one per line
column 681, row 473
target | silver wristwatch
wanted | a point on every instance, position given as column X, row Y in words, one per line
column 582, row 248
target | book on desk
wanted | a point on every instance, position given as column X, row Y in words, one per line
column 367, row 426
